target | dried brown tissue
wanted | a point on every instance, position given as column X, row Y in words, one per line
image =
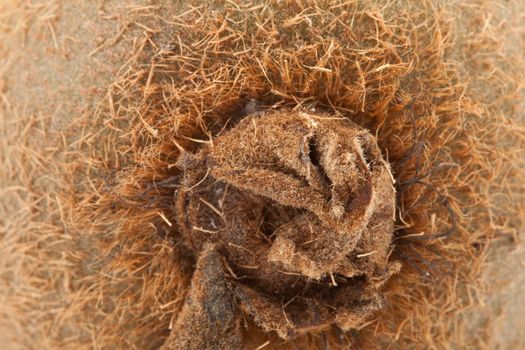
column 300, row 207
column 240, row 213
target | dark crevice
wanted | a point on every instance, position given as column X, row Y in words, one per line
column 315, row 159
column 274, row 216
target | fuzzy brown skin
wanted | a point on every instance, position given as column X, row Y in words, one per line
column 303, row 207
column 208, row 319
column 97, row 96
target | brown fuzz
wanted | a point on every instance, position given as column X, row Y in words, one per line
column 207, row 319
column 95, row 253
column 302, row 207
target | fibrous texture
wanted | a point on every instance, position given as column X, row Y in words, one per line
column 301, row 208
column 208, row 319
column 386, row 71
column 117, row 265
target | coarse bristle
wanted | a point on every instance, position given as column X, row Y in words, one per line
column 107, row 239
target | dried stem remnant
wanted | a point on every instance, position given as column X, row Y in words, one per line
column 208, row 318
column 301, row 208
